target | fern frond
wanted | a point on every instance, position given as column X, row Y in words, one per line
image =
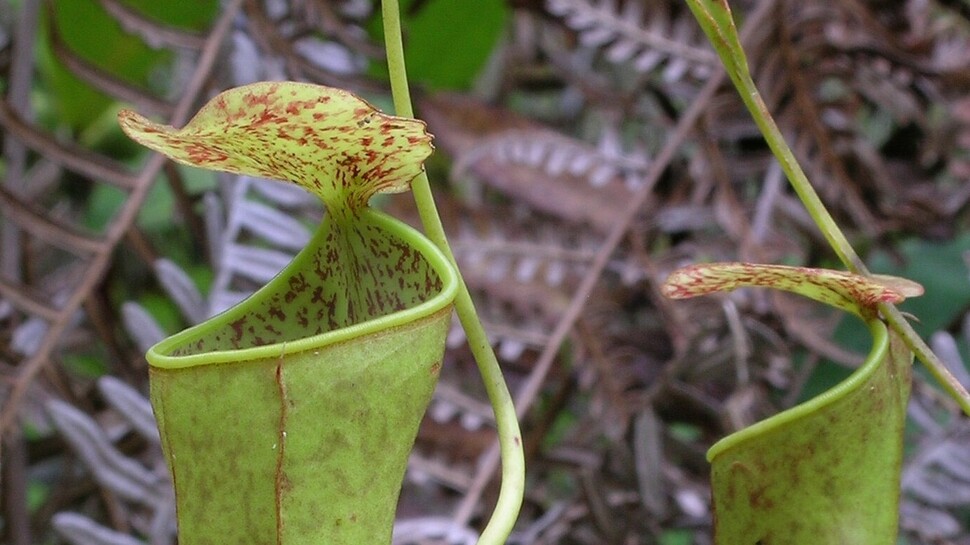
column 254, row 233
column 131, row 405
column 29, row 337
column 140, row 326
column 80, row 530
column 322, row 41
column 128, row 478
column 936, row 476
column 626, row 36
column 556, row 154
column 936, row 484
column 181, row 289
column 929, row 523
column 112, row 469
column 270, row 224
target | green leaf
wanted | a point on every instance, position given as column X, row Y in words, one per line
column 38, row 492
column 449, row 42
column 288, row 419
column 102, row 205
column 677, row 537
column 942, row 268
column 96, row 37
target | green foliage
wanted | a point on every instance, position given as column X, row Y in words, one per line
column 196, row 15
column 103, row 203
column 941, row 268
column 37, row 494
column 163, row 310
column 448, row 43
column 687, row 433
column 111, row 49
column 677, row 537
column 158, row 217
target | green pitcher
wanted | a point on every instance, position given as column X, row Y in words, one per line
column 826, row 471
column 289, row 418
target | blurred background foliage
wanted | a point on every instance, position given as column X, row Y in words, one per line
column 550, row 117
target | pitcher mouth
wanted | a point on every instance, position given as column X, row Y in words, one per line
column 878, row 352
column 217, row 339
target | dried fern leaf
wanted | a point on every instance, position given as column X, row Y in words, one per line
column 556, row 154
column 286, row 195
column 626, row 37
column 28, row 337
column 152, row 32
column 140, row 325
column 131, row 405
column 928, row 522
column 257, row 264
column 281, row 230
column 112, row 469
column 945, row 346
column 80, row 530
column 225, row 299
column 432, row 529
column 213, row 216
column 180, row 287
column 461, row 125
column 101, row 169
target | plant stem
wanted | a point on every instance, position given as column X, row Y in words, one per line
column 923, row 352
column 715, row 18
column 796, row 176
column 510, row 439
